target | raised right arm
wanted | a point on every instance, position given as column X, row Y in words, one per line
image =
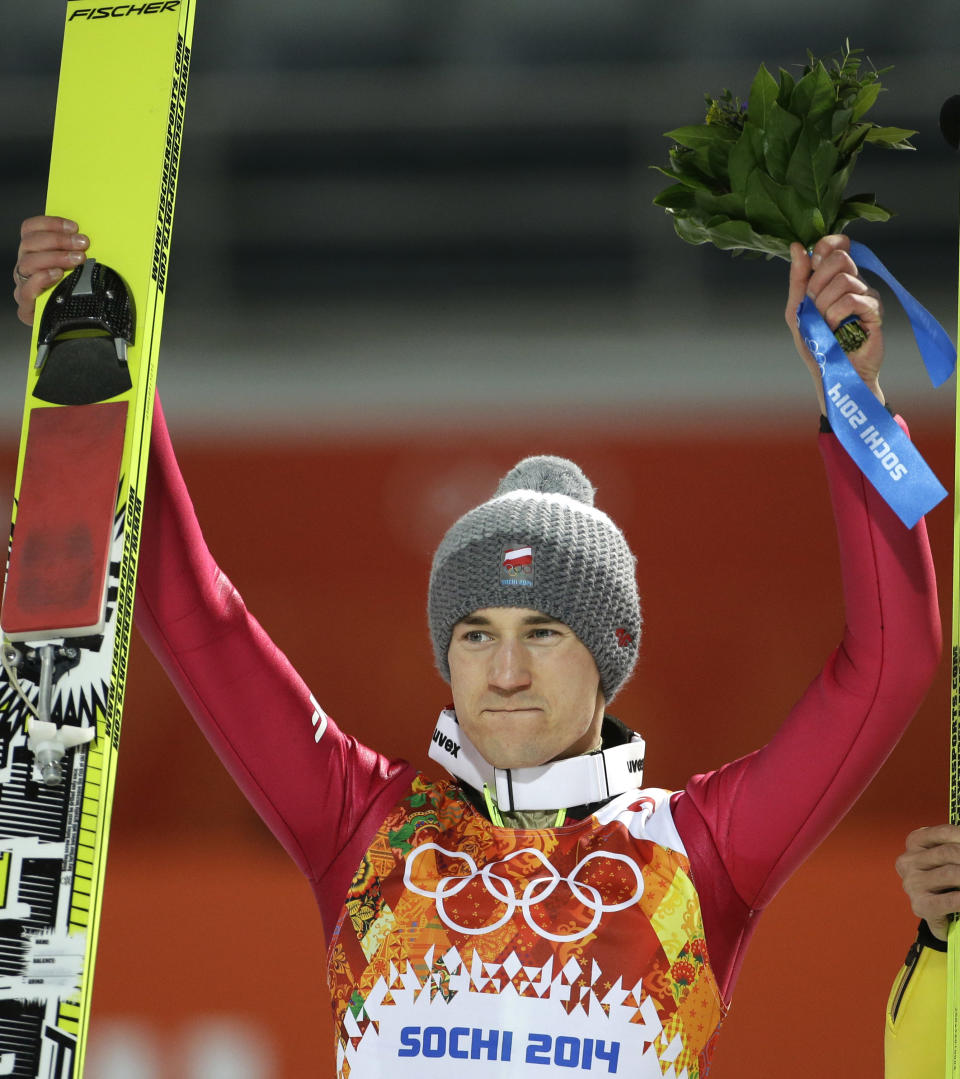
column 320, row 791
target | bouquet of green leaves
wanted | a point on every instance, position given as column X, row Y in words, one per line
column 754, row 177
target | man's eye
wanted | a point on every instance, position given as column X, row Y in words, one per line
column 544, row 633
column 474, row 636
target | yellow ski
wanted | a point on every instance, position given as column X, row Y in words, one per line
column 71, row 567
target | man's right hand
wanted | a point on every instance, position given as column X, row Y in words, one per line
column 48, row 247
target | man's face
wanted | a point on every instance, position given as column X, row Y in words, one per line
column 525, row 688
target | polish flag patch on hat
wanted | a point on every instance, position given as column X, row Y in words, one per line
column 516, row 566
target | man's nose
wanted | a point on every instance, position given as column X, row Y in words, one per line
column 509, row 667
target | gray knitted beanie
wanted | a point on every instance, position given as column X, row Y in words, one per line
column 541, row 543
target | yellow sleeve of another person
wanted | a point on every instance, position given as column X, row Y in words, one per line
column 915, row 1031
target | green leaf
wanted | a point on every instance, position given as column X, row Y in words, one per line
column 687, row 179
column 763, row 96
column 739, row 236
column 812, row 164
column 819, row 226
column 709, row 146
column 745, row 156
column 833, row 196
column 866, row 99
column 778, row 138
column 785, row 91
column 691, row 231
column 763, row 208
column 891, row 138
column 825, row 159
column 685, row 166
column 814, row 96
column 851, row 142
column 861, row 206
column 698, row 136
column 709, row 205
column 869, row 211
column 675, row 197
column 779, row 210
column 806, row 219
column 839, row 122
column 800, row 169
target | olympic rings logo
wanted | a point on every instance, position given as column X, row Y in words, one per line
column 816, row 350
column 537, row 889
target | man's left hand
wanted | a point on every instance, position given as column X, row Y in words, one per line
column 829, row 277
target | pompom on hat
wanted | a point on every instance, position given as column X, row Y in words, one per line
column 541, row 543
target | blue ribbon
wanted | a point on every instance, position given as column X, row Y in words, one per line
column 934, row 343
column 865, row 429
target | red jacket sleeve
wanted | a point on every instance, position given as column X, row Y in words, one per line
column 320, row 791
column 750, row 824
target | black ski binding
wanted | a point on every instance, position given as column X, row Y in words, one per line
column 94, row 307
column 28, row 661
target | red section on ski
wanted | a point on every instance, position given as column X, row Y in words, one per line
column 56, row 583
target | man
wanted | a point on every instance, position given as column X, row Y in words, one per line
column 915, row 1035
column 540, row 909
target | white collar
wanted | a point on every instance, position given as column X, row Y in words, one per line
column 574, row 781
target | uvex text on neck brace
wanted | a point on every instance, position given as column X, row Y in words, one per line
column 573, row 781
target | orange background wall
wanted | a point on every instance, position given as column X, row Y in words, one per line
column 330, row 544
